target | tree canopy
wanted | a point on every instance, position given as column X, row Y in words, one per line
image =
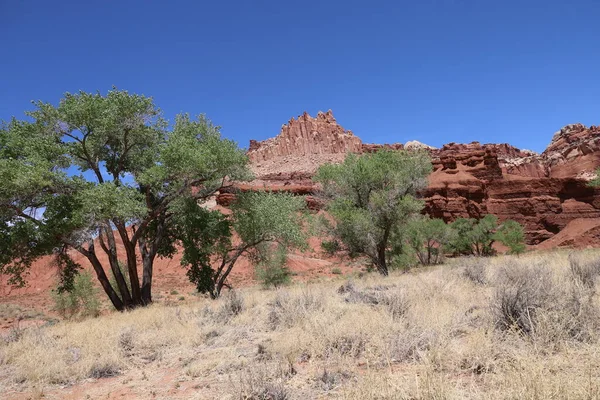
column 372, row 196
column 260, row 220
column 97, row 170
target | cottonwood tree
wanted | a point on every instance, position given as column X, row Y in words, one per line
column 474, row 236
column 100, row 171
column 511, row 234
column 428, row 237
column 371, row 197
column 260, row 226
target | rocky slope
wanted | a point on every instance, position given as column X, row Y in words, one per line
column 544, row 192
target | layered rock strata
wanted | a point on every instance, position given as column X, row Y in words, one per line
column 544, row 192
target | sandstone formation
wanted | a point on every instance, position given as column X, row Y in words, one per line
column 306, row 136
column 544, row 192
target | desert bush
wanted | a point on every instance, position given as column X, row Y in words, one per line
column 330, row 379
column 583, row 271
column 409, row 345
column 232, row 304
column 331, row 246
column 287, row 309
column 521, row 292
column 264, row 382
column 392, row 298
column 475, row 271
column 272, row 271
column 81, row 301
column 348, row 344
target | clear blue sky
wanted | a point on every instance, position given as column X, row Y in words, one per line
column 434, row 71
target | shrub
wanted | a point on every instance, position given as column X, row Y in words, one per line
column 475, row 271
column 331, row 246
column 510, row 233
column 394, row 300
column 81, row 301
column 584, row 272
column 521, row 293
column 233, row 304
column 272, row 271
column 287, row 309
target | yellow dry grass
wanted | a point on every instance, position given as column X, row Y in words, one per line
column 429, row 334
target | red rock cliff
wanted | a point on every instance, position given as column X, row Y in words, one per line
column 544, row 192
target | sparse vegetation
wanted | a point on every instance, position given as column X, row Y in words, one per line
column 331, row 246
column 527, row 327
column 272, row 270
column 80, row 301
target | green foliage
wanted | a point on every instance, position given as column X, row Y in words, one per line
column 80, row 301
column 68, row 272
column 473, row 237
column 428, row 237
column 259, row 220
column 331, row 246
column 482, row 235
column 461, row 242
column 134, row 174
column 596, row 181
column 372, row 197
column 510, row 233
column 272, row 270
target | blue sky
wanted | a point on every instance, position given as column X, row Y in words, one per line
column 393, row 71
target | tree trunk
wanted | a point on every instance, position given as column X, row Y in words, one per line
column 131, row 264
column 108, row 289
column 111, row 252
column 381, row 261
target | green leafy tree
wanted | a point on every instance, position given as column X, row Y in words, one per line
column 371, row 197
column 213, row 242
column 428, row 237
column 483, row 235
column 511, row 234
column 461, row 242
column 133, row 169
column 473, row 236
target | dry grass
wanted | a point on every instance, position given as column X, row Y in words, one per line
column 510, row 328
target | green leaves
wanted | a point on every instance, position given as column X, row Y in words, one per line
column 136, row 176
column 119, row 131
column 510, row 233
column 428, row 237
column 266, row 216
column 108, row 201
column 372, row 196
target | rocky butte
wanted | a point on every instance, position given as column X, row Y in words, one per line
column 547, row 193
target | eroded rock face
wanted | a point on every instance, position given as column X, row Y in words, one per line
column 306, row 136
column 574, row 150
column 544, row 192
